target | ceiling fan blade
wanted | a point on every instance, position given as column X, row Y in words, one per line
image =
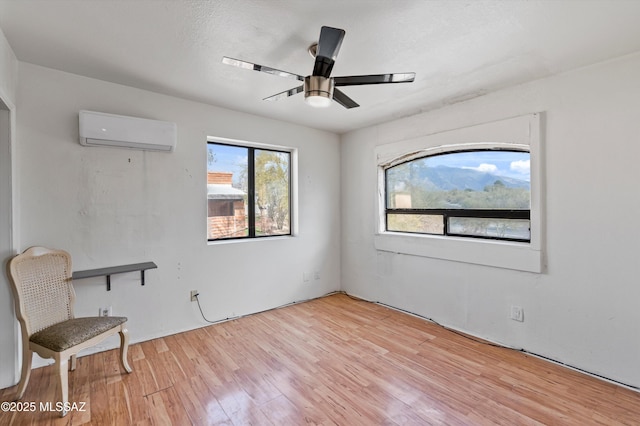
column 358, row 80
column 261, row 68
column 330, row 42
column 327, row 50
column 285, row 94
column 343, row 99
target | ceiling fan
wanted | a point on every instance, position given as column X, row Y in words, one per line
column 319, row 88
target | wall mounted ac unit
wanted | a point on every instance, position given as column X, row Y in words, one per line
column 101, row 129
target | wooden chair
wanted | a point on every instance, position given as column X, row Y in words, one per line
column 43, row 293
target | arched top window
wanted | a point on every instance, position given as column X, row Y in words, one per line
column 426, row 204
column 473, row 193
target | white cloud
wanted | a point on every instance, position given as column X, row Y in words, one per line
column 484, row 167
column 520, row 166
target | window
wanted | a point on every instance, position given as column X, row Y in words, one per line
column 477, row 194
column 496, row 222
column 248, row 191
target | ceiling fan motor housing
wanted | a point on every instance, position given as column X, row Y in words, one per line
column 317, row 85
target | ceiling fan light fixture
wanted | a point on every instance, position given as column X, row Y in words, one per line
column 320, row 88
column 318, row 101
column 318, row 91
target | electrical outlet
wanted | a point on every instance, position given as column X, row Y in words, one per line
column 316, row 275
column 194, row 295
column 104, row 312
column 306, row 277
column 517, row 313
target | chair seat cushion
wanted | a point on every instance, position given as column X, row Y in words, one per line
column 65, row 334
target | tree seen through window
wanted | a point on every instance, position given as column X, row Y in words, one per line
column 485, row 194
column 248, row 192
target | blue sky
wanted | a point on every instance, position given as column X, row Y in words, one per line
column 228, row 159
column 500, row 163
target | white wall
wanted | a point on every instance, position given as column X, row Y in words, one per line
column 109, row 206
column 8, row 71
column 8, row 83
column 583, row 309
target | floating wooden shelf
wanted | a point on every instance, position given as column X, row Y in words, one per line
column 100, row 272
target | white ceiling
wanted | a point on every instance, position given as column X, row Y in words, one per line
column 458, row 49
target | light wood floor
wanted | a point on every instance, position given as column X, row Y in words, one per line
column 333, row 360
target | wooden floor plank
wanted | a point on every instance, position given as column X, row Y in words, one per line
column 135, row 388
column 331, row 361
column 199, row 403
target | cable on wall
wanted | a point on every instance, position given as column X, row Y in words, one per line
column 295, row 302
column 466, row 336
column 497, row 345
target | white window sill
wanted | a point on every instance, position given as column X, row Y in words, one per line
column 249, row 240
column 499, row 254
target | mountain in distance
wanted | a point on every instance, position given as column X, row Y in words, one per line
column 446, row 178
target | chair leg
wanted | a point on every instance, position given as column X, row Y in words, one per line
column 72, row 365
column 63, row 376
column 27, row 357
column 124, row 349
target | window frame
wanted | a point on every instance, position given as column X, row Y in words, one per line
column 457, row 213
column 293, row 172
column 521, row 133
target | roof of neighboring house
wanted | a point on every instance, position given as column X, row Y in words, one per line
column 224, row 192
